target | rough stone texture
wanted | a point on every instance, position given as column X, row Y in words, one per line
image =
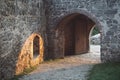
column 26, row 57
column 19, row 19
column 105, row 14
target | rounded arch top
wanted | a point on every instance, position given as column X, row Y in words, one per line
column 27, row 56
column 69, row 14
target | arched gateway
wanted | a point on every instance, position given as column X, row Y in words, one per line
column 64, row 25
column 72, row 34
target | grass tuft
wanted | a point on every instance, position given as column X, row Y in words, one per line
column 105, row 71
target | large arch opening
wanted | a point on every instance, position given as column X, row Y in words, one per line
column 74, row 33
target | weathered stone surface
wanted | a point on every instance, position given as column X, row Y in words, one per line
column 105, row 14
column 19, row 19
column 26, row 57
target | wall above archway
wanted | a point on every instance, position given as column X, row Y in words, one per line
column 105, row 14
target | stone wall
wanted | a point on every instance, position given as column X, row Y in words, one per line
column 18, row 20
column 27, row 58
column 21, row 19
column 105, row 13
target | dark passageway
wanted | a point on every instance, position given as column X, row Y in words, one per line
column 76, row 29
column 36, row 47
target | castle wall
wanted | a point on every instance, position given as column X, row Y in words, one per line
column 22, row 20
column 19, row 19
column 105, row 14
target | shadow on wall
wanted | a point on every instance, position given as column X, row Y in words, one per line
column 72, row 34
column 31, row 53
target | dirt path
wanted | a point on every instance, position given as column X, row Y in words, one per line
column 70, row 68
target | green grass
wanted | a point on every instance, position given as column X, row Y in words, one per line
column 95, row 31
column 26, row 71
column 106, row 71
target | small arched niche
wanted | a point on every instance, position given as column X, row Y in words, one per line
column 31, row 53
column 36, row 47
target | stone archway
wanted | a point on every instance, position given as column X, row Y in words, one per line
column 73, row 34
column 31, row 53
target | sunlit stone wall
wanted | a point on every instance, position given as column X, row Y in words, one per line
column 19, row 19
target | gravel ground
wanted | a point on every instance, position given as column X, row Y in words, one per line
column 71, row 68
